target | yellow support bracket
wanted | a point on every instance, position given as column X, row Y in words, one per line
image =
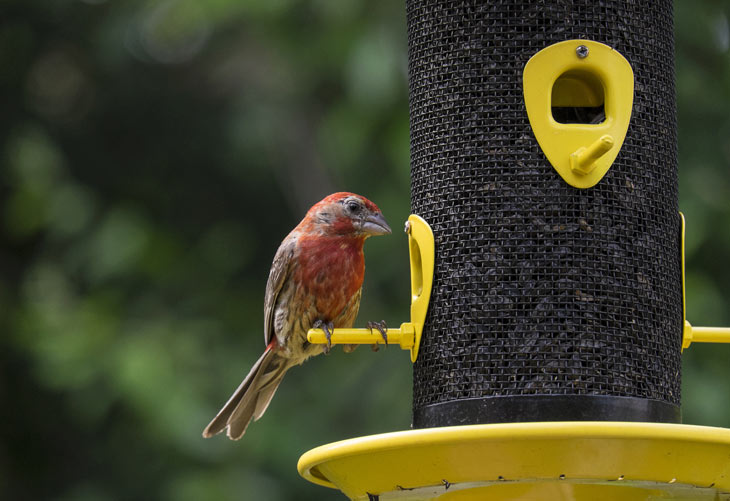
column 405, row 336
column 422, row 256
column 704, row 335
column 692, row 334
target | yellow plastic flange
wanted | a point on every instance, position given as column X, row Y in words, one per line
column 422, row 257
column 692, row 334
column 422, row 251
column 579, row 73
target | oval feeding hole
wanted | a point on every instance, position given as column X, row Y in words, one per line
column 578, row 98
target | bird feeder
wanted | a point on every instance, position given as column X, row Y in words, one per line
column 543, row 160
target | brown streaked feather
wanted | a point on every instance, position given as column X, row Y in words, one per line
column 253, row 405
column 278, row 274
column 272, row 368
column 267, row 393
column 222, row 419
column 347, row 319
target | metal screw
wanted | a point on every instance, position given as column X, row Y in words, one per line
column 582, row 51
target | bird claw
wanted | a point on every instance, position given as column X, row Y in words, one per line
column 381, row 326
column 327, row 327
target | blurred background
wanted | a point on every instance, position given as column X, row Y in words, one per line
column 153, row 154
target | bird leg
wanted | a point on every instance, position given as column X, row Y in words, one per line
column 381, row 326
column 327, row 327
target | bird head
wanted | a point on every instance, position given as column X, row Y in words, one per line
column 347, row 214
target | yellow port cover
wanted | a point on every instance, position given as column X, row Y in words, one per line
column 557, row 461
column 579, row 73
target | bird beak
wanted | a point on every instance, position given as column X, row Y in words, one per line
column 375, row 224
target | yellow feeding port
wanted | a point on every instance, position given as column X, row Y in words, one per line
column 579, row 96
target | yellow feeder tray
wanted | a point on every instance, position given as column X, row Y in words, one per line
column 556, row 461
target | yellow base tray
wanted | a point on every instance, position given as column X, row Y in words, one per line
column 556, row 461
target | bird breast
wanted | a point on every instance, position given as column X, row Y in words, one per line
column 331, row 271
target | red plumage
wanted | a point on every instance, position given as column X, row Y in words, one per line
column 316, row 278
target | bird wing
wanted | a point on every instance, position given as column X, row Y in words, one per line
column 278, row 274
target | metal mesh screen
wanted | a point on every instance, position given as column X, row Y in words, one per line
column 541, row 288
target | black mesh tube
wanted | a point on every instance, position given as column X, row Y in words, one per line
column 549, row 302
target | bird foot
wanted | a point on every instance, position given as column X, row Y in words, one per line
column 327, row 327
column 381, row 326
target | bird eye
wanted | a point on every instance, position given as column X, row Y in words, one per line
column 353, row 206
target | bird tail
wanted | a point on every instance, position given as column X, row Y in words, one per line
column 252, row 396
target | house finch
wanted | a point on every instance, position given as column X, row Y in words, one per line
column 315, row 281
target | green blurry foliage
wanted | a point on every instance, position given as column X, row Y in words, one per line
column 153, row 154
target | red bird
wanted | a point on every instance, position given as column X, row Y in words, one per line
column 315, row 281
